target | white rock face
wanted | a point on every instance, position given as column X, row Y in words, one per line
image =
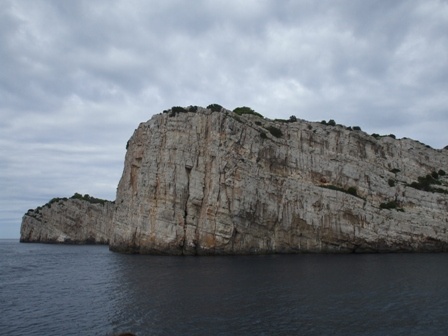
column 70, row 221
column 217, row 183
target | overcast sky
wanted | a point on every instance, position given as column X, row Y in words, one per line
column 77, row 77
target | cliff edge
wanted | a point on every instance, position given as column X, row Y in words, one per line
column 211, row 181
column 75, row 220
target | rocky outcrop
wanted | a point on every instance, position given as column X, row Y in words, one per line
column 69, row 221
column 210, row 181
column 204, row 182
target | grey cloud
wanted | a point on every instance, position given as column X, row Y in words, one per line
column 78, row 76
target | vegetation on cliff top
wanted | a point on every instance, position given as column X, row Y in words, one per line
column 215, row 107
column 89, row 198
column 246, row 110
column 86, row 197
column 178, row 109
column 239, row 111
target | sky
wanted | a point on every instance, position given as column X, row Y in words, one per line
column 77, row 77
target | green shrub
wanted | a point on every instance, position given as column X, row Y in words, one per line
column 258, row 123
column 356, row 128
column 77, row 196
column 178, row 109
column 215, row 107
column 442, row 172
column 193, row 109
column 323, row 122
column 291, row 119
column 246, row 110
column 392, row 136
column 430, row 179
column 352, row 191
column 391, row 205
column 439, row 190
column 275, row 131
column 426, row 183
column 88, row 198
column 376, row 135
column 331, row 122
column 391, row 183
column 263, row 135
column 395, row 170
column 54, row 200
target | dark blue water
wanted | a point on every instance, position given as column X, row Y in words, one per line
column 87, row 290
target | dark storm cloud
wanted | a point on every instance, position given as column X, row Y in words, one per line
column 78, row 76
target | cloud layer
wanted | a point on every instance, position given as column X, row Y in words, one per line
column 78, row 76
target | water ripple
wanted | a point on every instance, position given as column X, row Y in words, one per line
column 74, row 290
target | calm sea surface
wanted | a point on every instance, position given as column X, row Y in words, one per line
column 87, row 290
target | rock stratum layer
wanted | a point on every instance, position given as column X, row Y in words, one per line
column 204, row 183
column 68, row 221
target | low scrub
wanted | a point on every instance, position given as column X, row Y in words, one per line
column 246, row 110
column 377, row 136
column 175, row 110
column 428, row 182
column 291, row 119
column 351, row 190
column 277, row 132
column 392, row 205
column 89, row 198
column 215, row 107
column 330, row 122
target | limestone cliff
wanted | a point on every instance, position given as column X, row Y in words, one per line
column 78, row 220
column 204, row 182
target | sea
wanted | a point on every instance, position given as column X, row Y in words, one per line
column 88, row 290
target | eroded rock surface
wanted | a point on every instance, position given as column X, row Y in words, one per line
column 69, row 221
column 208, row 182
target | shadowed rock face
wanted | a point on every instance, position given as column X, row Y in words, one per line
column 217, row 183
column 69, row 221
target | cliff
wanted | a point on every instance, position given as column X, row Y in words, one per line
column 215, row 182
column 78, row 220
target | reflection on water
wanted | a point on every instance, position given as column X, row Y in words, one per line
column 300, row 294
column 87, row 290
